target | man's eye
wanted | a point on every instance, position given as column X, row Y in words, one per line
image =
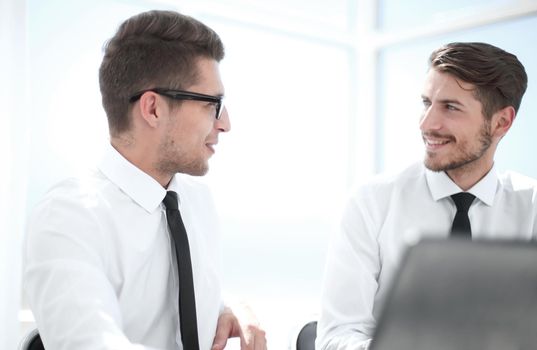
column 451, row 107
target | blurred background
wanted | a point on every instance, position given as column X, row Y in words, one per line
column 322, row 94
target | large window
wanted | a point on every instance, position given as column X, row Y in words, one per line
column 280, row 173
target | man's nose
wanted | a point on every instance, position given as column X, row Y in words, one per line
column 223, row 124
column 430, row 119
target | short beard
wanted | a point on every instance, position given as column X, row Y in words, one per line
column 485, row 140
column 189, row 168
column 175, row 160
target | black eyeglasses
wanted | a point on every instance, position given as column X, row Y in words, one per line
column 185, row 95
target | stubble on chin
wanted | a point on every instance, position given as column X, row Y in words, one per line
column 464, row 156
column 457, row 163
column 430, row 164
column 200, row 170
column 174, row 159
column 193, row 168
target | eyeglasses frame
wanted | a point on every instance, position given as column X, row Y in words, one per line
column 184, row 95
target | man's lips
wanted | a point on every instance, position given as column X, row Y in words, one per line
column 211, row 145
column 436, row 142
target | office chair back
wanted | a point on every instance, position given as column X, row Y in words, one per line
column 32, row 341
column 306, row 336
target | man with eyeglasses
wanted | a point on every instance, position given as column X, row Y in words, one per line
column 105, row 253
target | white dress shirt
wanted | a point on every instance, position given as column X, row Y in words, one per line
column 382, row 218
column 100, row 270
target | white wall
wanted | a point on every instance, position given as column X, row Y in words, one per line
column 13, row 153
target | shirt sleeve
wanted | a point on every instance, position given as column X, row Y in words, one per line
column 74, row 303
column 351, row 280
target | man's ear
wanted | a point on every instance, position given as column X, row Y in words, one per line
column 502, row 121
column 150, row 108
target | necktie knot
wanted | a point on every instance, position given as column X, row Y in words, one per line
column 170, row 201
column 463, row 201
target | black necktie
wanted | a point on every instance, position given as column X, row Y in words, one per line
column 461, row 223
column 187, row 299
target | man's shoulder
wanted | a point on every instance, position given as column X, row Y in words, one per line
column 391, row 180
column 83, row 189
column 514, row 182
column 73, row 202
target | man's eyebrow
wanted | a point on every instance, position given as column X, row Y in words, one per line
column 444, row 101
column 451, row 101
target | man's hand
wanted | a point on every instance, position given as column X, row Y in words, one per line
column 241, row 324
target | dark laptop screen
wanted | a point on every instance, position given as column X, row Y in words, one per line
column 460, row 294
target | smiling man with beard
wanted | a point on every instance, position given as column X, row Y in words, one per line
column 471, row 95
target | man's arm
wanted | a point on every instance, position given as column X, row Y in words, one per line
column 74, row 304
column 350, row 281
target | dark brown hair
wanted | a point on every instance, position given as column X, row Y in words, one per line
column 152, row 49
column 499, row 78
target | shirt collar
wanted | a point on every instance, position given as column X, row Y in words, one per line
column 135, row 183
column 442, row 186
